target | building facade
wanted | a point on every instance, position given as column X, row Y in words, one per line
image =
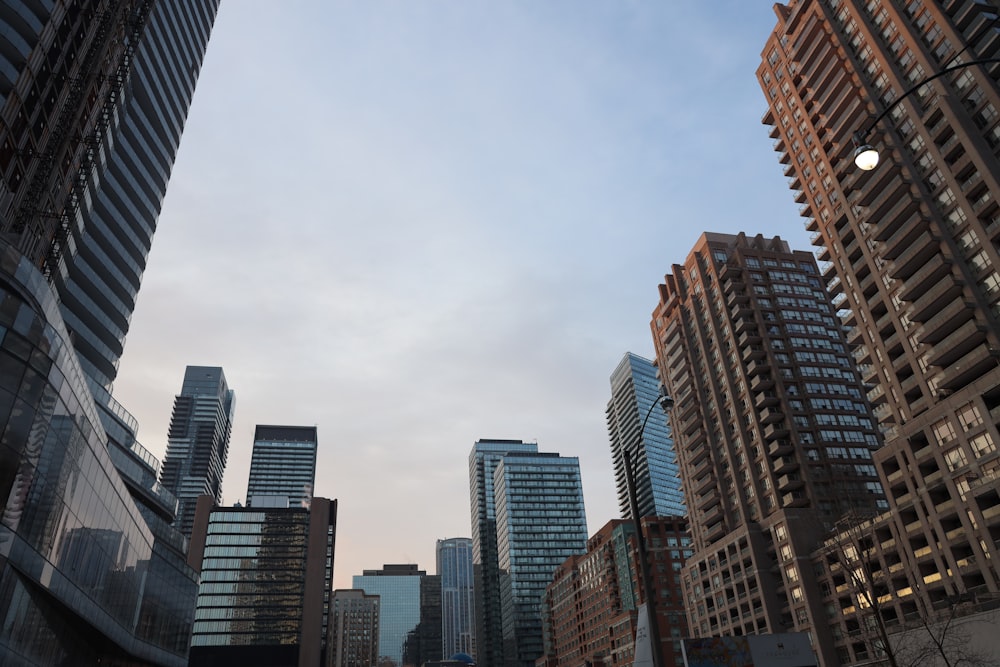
column 483, row 460
column 774, row 435
column 265, row 583
column 93, row 98
column 910, row 250
column 635, row 388
column 353, row 634
column 198, row 441
column 590, row 608
column 540, row 522
column 282, row 466
column 423, row 644
column 458, row 602
column 398, row 588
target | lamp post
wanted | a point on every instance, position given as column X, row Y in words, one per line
column 865, row 155
column 647, row 583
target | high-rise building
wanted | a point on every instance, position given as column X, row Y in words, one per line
column 282, row 466
column 398, row 587
column 911, row 251
column 537, row 514
column 774, row 436
column 423, row 644
column 590, row 609
column 458, row 602
column 483, row 459
column 353, row 635
column 198, row 441
column 265, row 588
column 93, row 98
column 635, row 387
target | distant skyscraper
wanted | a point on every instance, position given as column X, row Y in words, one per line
column 266, row 578
column 353, row 637
column 634, row 388
column 483, row 459
column 93, row 99
column 773, row 434
column 537, row 502
column 198, row 441
column 398, row 587
column 454, row 566
column 283, row 465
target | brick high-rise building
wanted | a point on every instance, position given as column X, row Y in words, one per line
column 590, row 608
column 911, row 250
column 773, row 435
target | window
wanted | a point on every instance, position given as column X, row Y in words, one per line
column 955, row 458
column 969, row 417
column 982, row 445
column 944, row 431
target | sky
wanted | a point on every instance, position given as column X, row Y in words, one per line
column 415, row 224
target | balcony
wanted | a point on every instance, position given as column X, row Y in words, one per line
column 770, row 415
column 967, row 368
column 958, row 343
column 918, row 253
column 703, row 484
column 794, row 499
column 951, row 316
column 787, row 483
column 750, row 337
column 942, row 294
column 785, row 464
column 926, row 277
column 903, row 238
column 753, row 352
column 903, row 213
column 757, row 366
column 775, row 431
column 780, row 448
column 764, row 399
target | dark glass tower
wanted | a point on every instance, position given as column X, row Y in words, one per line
column 282, row 466
column 634, row 388
column 198, row 441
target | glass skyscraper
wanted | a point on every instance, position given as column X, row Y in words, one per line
column 198, row 441
column 265, row 583
column 454, row 566
column 282, row 466
column 634, row 388
column 398, row 587
column 93, row 99
column 528, row 517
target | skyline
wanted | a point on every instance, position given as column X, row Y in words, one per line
column 521, row 166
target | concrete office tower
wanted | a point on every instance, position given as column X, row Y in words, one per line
column 198, row 441
column 773, row 434
column 282, row 466
column 353, row 635
column 93, row 97
column 398, row 587
column 911, row 251
column 266, row 578
column 458, row 600
column 533, row 504
column 634, row 388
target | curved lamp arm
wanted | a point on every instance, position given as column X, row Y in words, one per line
column 865, row 156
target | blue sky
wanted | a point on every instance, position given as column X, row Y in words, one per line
column 417, row 224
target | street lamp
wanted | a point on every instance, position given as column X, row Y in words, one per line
column 865, row 155
column 647, row 583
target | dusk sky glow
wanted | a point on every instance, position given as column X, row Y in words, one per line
column 418, row 224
